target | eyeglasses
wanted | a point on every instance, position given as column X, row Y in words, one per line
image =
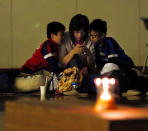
column 94, row 36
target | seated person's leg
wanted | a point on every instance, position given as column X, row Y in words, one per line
column 75, row 62
column 88, row 85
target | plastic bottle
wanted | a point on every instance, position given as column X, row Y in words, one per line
column 75, row 85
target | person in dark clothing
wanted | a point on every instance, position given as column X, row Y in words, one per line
column 111, row 60
column 107, row 50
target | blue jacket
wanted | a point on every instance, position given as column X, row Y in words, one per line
column 111, row 52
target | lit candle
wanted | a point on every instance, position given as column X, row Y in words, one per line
column 105, row 99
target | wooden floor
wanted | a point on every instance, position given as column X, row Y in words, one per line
column 131, row 98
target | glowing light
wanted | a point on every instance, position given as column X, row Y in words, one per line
column 105, row 100
column 112, row 81
column 105, row 81
column 105, row 96
column 98, row 81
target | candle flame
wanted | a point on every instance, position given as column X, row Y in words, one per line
column 105, row 100
column 98, row 81
column 112, row 81
column 105, row 96
column 105, row 82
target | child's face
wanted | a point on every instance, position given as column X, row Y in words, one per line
column 95, row 37
column 58, row 37
column 79, row 35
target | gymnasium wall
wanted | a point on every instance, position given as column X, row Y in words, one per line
column 23, row 25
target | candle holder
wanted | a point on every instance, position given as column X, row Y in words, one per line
column 105, row 93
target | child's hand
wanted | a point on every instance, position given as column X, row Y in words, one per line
column 78, row 49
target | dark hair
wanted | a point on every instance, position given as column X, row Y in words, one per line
column 99, row 26
column 54, row 27
column 78, row 22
